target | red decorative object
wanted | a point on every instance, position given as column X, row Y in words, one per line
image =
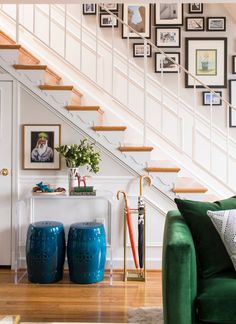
column 81, row 179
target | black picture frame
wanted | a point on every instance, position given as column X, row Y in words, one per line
column 149, row 54
column 232, row 100
column 205, row 99
column 85, row 12
column 187, row 19
column 210, row 29
column 112, row 10
column 169, row 22
column 234, row 64
column 146, row 34
column 167, row 68
column 193, row 10
column 108, row 17
column 216, row 75
column 163, row 44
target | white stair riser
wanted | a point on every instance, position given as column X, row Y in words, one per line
column 113, row 137
column 165, row 179
column 10, row 56
column 89, row 117
column 37, row 77
column 139, row 157
column 62, row 97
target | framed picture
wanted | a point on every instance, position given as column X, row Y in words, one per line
column 216, row 24
column 211, row 99
column 109, row 6
column 195, row 7
column 106, row 21
column 165, row 65
column 138, row 50
column 39, row 142
column 206, row 59
column 168, row 14
column 234, row 64
column 89, row 9
column 232, row 100
column 168, row 37
column 139, row 18
column 195, row 24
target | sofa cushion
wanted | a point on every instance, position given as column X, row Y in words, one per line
column 212, row 257
column 217, row 299
column 225, row 224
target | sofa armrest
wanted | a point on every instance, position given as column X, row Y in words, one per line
column 179, row 271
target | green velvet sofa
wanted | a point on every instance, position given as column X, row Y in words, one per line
column 188, row 299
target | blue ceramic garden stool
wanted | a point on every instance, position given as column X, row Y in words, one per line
column 45, row 252
column 86, row 252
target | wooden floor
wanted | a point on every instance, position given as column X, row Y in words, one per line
column 68, row 302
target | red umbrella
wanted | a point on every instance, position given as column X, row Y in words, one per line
column 130, row 227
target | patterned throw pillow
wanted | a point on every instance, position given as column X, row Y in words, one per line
column 225, row 223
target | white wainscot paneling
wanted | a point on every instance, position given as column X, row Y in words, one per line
column 232, row 173
column 219, row 162
column 202, row 149
column 170, row 126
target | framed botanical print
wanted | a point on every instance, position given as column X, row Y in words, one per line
column 110, row 7
column 216, row 23
column 139, row 18
column 232, row 100
column 89, row 9
column 206, row 59
column 195, row 7
column 168, row 14
column 107, row 20
column 195, row 23
column 138, row 50
column 211, row 99
column 165, row 65
column 39, row 142
column 168, row 37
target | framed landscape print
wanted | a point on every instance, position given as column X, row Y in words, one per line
column 39, row 142
column 168, row 14
column 168, row 37
column 139, row 18
column 206, row 59
column 164, row 64
column 89, row 9
column 195, row 23
column 211, row 99
column 216, row 24
column 232, row 100
column 106, row 21
column 110, row 7
column 138, row 50
column 195, row 7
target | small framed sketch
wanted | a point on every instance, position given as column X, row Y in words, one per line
column 39, row 142
column 168, row 37
column 211, row 99
column 232, row 100
column 107, row 21
column 206, row 59
column 110, row 7
column 138, row 50
column 168, row 14
column 216, row 24
column 195, row 23
column 139, row 18
column 89, row 9
column 195, row 7
column 165, row 64
column 234, row 64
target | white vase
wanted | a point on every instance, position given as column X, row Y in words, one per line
column 72, row 178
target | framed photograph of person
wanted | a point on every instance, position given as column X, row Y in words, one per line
column 206, row 59
column 139, row 18
column 106, row 21
column 165, row 65
column 39, row 142
column 195, row 7
column 89, row 9
column 138, row 50
column 232, row 100
column 195, row 23
column 168, row 37
column 168, row 14
column 110, row 6
column 216, row 24
column 211, row 99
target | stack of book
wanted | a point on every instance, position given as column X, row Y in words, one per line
column 83, row 191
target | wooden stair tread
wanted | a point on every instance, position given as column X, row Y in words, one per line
column 188, row 185
column 55, row 87
column 109, row 128
column 135, row 148
column 29, row 67
column 10, row 46
column 162, row 166
column 84, row 108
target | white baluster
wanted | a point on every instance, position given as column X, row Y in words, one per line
column 145, row 95
column 17, row 22
column 227, row 145
column 127, row 69
column 112, row 59
column 211, row 144
column 49, row 26
column 96, row 43
column 194, row 118
column 179, row 134
column 65, row 31
column 34, row 18
column 162, row 97
column 81, row 37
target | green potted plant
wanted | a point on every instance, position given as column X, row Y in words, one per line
column 78, row 155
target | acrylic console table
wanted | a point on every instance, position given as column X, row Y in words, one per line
column 93, row 207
